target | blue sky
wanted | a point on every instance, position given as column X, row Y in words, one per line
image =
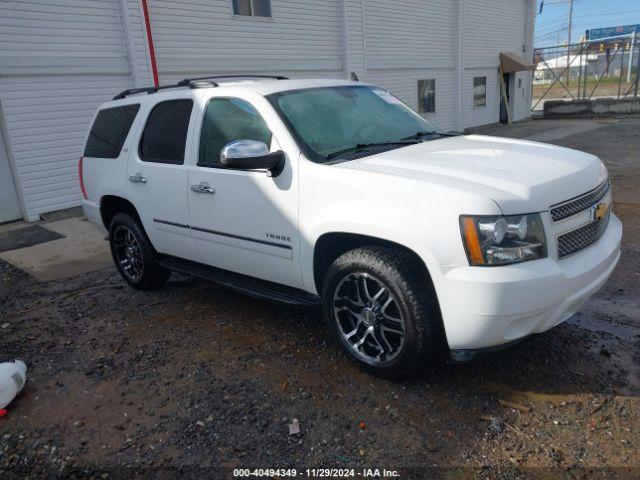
column 552, row 24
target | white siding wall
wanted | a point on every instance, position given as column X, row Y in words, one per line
column 404, row 84
column 522, row 106
column 410, row 40
column 409, row 33
column 491, row 27
column 138, row 51
column 354, row 38
column 58, row 61
column 200, row 37
column 490, row 112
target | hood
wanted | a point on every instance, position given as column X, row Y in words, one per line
column 520, row 176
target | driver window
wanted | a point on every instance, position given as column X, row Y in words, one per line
column 226, row 120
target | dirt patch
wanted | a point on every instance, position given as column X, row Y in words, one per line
column 194, row 380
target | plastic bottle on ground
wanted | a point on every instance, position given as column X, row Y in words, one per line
column 13, row 376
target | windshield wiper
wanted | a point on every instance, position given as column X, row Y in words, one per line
column 363, row 146
column 422, row 133
column 427, row 133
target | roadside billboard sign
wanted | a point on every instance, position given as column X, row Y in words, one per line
column 599, row 33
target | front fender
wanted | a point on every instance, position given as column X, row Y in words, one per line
column 421, row 216
column 381, row 232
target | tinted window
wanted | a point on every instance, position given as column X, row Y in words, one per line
column 109, row 131
column 255, row 8
column 242, row 7
column 261, row 8
column 165, row 134
column 225, row 120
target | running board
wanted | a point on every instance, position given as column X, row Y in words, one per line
column 253, row 287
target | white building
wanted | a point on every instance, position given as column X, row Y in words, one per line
column 59, row 59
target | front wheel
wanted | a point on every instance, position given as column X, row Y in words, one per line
column 382, row 311
column 133, row 254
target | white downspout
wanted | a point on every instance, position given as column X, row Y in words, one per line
column 460, row 65
column 344, row 25
column 364, row 39
column 129, row 47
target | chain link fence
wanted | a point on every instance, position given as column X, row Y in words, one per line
column 608, row 68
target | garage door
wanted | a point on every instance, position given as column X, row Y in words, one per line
column 9, row 206
column 58, row 62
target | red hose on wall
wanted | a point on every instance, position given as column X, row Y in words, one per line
column 152, row 52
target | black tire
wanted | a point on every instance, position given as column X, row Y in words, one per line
column 415, row 304
column 144, row 273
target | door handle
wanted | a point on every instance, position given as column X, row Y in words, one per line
column 137, row 178
column 203, row 188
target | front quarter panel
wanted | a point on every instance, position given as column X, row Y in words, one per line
column 421, row 216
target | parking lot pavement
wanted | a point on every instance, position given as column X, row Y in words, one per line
column 79, row 249
column 193, row 378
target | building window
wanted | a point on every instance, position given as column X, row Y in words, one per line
column 427, row 96
column 479, row 91
column 165, row 135
column 252, row 8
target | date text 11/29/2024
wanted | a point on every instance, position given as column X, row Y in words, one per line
column 316, row 473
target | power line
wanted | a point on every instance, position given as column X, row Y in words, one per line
column 558, row 2
column 554, row 23
column 552, row 31
column 562, row 17
column 550, row 34
column 607, row 14
column 549, row 28
column 557, row 21
column 555, row 28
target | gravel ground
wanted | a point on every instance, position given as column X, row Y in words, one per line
column 194, row 380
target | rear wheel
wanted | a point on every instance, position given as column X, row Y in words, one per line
column 380, row 307
column 134, row 255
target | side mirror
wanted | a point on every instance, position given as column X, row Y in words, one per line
column 251, row 155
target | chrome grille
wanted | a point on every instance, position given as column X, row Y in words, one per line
column 578, row 204
column 582, row 237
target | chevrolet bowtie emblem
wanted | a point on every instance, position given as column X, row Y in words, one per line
column 600, row 210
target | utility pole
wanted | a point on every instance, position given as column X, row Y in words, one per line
column 631, row 49
column 569, row 41
column 635, row 88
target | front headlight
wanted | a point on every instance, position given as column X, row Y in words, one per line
column 502, row 240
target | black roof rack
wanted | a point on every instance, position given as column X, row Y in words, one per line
column 197, row 82
column 147, row 90
column 132, row 91
column 187, row 81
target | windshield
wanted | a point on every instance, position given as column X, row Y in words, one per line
column 329, row 120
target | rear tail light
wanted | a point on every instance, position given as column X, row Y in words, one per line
column 81, row 177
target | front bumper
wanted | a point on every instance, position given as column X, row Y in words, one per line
column 491, row 306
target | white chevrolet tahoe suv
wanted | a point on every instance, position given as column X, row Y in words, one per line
column 335, row 192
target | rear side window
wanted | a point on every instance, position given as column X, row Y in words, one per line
column 165, row 134
column 109, row 131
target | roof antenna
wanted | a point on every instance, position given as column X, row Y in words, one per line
column 354, row 77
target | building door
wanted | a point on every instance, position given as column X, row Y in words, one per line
column 506, row 81
column 9, row 206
